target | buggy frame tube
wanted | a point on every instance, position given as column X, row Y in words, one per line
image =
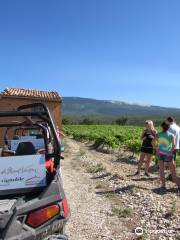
column 46, row 113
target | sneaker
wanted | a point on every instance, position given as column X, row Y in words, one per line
column 162, row 189
column 147, row 174
column 169, row 178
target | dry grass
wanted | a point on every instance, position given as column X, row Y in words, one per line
column 122, row 212
column 96, row 168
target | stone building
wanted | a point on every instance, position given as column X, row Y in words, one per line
column 11, row 98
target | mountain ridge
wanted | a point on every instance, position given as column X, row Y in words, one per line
column 83, row 107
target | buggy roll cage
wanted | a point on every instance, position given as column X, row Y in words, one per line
column 43, row 113
column 17, row 130
column 23, row 126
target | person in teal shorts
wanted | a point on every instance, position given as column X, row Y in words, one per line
column 165, row 151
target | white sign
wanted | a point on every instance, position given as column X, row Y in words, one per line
column 38, row 143
column 18, row 172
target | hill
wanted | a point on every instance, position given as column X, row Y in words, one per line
column 77, row 108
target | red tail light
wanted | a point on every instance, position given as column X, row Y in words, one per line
column 36, row 218
column 65, row 207
column 49, row 165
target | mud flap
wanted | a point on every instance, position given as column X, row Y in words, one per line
column 57, row 237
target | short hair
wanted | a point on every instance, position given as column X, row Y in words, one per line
column 170, row 119
column 165, row 126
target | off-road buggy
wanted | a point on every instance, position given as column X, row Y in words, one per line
column 32, row 200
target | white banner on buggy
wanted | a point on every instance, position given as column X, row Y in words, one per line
column 18, row 172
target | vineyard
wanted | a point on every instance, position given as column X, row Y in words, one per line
column 109, row 137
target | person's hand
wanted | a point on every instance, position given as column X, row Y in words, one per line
column 155, row 150
column 151, row 136
column 172, row 151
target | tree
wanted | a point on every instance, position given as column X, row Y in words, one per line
column 87, row 121
column 66, row 121
column 121, row 120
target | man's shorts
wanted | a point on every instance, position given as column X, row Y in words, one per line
column 175, row 153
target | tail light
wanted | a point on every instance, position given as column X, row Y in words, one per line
column 49, row 165
column 65, row 207
column 37, row 218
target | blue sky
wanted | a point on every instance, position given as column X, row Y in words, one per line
column 105, row 49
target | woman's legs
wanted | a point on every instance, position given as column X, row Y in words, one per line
column 172, row 169
column 170, row 176
column 161, row 172
column 140, row 163
column 148, row 162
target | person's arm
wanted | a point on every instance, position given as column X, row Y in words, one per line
column 173, row 144
column 153, row 135
column 142, row 136
column 156, row 138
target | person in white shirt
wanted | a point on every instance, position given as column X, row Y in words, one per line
column 175, row 130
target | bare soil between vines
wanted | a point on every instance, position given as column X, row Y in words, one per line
column 108, row 202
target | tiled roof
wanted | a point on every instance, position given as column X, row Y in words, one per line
column 29, row 93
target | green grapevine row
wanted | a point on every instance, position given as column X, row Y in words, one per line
column 111, row 136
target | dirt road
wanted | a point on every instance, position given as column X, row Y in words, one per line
column 107, row 206
column 90, row 213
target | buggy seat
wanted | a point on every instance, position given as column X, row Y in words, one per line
column 25, row 148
